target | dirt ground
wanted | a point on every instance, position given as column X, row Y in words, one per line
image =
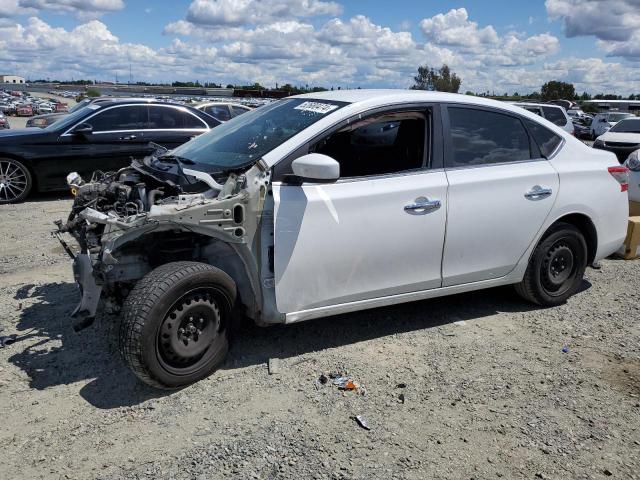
column 478, row 386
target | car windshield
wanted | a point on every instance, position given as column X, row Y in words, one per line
column 246, row 138
column 72, row 118
column 616, row 117
column 627, row 126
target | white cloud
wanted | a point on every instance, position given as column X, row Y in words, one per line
column 252, row 12
column 10, row 8
column 613, row 20
column 454, row 28
column 83, row 9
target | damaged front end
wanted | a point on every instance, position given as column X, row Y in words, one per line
column 129, row 222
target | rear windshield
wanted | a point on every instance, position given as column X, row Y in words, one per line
column 616, row 117
column 555, row 115
column 627, row 126
column 244, row 139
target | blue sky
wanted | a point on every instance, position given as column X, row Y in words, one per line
column 493, row 45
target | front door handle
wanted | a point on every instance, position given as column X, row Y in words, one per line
column 422, row 205
column 128, row 137
column 538, row 193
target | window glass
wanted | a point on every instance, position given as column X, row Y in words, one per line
column 482, row 137
column 555, row 115
column 132, row 117
column 221, row 112
column 627, row 126
column 535, row 110
column 547, row 140
column 383, row 144
column 238, row 110
column 171, row 118
column 255, row 133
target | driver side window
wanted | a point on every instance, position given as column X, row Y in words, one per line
column 383, row 144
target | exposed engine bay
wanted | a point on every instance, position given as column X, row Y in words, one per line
column 126, row 223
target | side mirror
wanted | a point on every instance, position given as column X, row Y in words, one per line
column 603, row 119
column 316, row 167
column 83, row 129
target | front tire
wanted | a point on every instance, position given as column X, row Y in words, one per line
column 556, row 268
column 175, row 324
column 15, row 181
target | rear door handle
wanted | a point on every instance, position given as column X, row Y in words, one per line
column 128, row 137
column 422, row 205
column 538, row 192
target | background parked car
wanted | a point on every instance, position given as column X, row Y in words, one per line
column 604, row 121
column 554, row 113
column 582, row 127
column 223, row 111
column 622, row 139
column 102, row 136
column 633, row 164
column 4, row 121
column 24, row 110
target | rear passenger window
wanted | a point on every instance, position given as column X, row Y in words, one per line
column 481, row 137
column 171, row 118
column 387, row 143
column 535, row 110
column 547, row 140
column 132, row 117
column 555, row 115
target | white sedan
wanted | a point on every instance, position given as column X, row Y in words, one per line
column 333, row 202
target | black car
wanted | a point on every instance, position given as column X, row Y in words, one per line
column 582, row 128
column 100, row 136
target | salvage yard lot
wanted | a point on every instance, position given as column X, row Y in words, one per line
column 488, row 390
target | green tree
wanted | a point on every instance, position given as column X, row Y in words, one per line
column 442, row 80
column 92, row 92
column 556, row 90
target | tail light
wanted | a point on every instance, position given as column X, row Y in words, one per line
column 621, row 174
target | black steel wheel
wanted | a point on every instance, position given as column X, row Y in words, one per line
column 175, row 324
column 15, row 181
column 556, row 267
column 188, row 331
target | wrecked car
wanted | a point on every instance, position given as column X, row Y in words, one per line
column 333, row 202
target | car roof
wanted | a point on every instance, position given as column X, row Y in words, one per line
column 382, row 97
column 208, row 104
column 535, row 104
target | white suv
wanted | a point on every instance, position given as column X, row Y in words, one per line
column 554, row 113
column 602, row 122
column 333, row 202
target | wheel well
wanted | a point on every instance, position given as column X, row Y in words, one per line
column 155, row 249
column 588, row 230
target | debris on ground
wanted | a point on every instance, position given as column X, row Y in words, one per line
column 565, row 349
column 274, row 365
column 362, row 422
column 7, row 340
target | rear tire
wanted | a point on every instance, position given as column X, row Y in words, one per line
column 556, row 268
column 15, row 181
column 175, row 324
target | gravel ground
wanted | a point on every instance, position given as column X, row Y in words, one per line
column 478, row 386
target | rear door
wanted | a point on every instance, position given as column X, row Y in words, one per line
column 172, row 125
column 501, row 190
column 378, row 230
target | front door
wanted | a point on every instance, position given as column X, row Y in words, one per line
column 377, row 231
column 500, row 193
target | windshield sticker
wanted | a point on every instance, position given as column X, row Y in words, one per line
column 316, row 107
